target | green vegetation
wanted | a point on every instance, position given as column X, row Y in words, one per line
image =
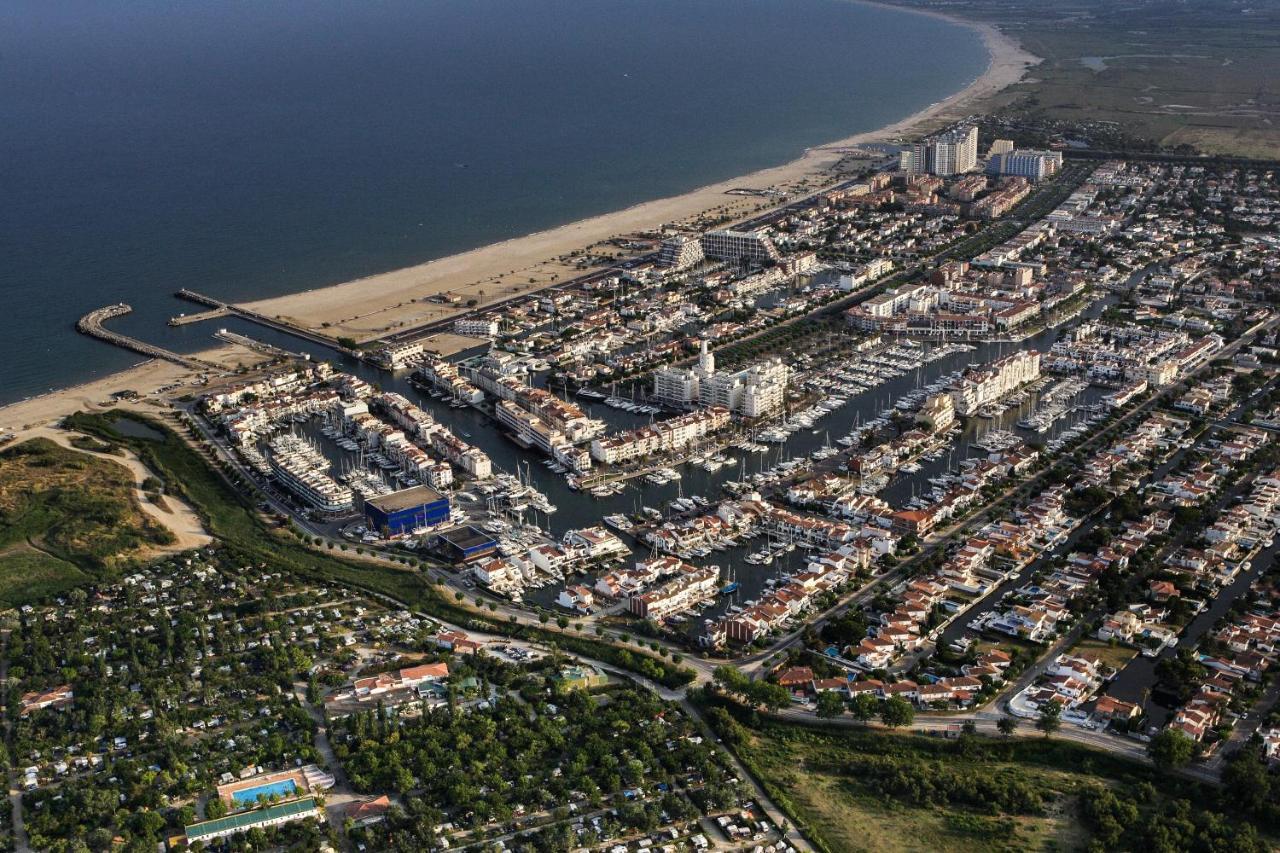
column 1130, row 76
column 229, row 516
column 533, row 754
column 162, row 706
column 860, row 789
column 66, row 517
column 1171, row 748
column 766, row 693
column 28, row 574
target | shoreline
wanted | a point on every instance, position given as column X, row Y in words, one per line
column 374, row 305
column 378, row 304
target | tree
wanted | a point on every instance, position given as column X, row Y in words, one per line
column 863, row 706
column 772, row 696
column 1050, row 719
column 1171, row 748
column 830, row 704
column 1007, row 725
column 1246, row 782
column 897, row 712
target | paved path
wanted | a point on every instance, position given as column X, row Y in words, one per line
column 337, row 798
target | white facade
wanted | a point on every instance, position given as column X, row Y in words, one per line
column 738, row 246
column 476, row 327
column 951, row 153
column 982, row 386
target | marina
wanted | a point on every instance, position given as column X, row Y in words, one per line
column 847, row 413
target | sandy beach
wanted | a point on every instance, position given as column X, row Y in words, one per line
column 146, row 379
column 376, row 305
column 373, row 306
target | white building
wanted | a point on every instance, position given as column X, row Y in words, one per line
column 679, row 252
column 951, row 153
column 1028, row 163
column 731, row 245
column 476, row 327
column 978, row 387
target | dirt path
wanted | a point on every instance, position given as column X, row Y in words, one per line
column 176, row 515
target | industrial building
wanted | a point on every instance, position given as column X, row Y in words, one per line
column 408, row 510
column 465, row 545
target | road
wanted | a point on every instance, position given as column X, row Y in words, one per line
column 985, row 723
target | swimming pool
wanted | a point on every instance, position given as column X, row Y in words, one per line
column 249, row 796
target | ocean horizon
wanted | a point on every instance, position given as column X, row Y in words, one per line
column 252, row 150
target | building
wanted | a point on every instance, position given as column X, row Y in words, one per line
column 466, row 545
column 939, row 411
column 680, row 593
column 57, row 697
column 754, row 392
column 1000, row 146
column 297, row 466
column 528, row 428
column 1027, row 163
column 397, row 356
column 679, row 252
column 408, row 510
column 739, row 246
column 676, row 385
column 951, row 153
column 476, row 327
column 684, row 385
column 209, row 830
column 979, row 387
column 672, row 434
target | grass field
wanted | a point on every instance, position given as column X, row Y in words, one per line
column 65, row 518
column 1113, row 656
column 1202, row 74
column 847, row 815
column 857, row 789
column 27, row 574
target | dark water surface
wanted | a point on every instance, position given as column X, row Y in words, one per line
column 252, row 149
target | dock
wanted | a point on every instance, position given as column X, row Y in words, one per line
column 91, row 324
column 258, row 346
column 212, row 314
column 222, row 309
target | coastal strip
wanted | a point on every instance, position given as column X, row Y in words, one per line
column 379, row 305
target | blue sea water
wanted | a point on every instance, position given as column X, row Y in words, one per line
column 249, row 149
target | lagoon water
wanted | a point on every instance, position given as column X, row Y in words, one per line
column 251, row 149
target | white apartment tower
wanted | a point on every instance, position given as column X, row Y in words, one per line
column 951, row 153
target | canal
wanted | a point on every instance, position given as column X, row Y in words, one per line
column 577, row 509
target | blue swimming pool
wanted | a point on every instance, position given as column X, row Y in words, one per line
column 249, row 796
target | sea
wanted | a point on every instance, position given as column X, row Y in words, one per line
column 247, row 149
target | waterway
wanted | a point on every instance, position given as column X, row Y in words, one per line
column 577, row 509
